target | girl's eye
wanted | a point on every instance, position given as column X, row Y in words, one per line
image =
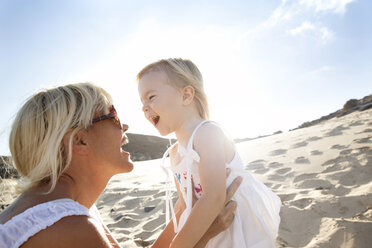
column 151, row 97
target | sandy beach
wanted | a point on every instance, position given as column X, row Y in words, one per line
column 322, row 173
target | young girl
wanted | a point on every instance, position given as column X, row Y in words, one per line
column 173, row 100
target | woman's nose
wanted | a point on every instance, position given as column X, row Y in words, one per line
column 125, row 128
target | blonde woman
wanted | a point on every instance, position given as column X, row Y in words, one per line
column 66, row 144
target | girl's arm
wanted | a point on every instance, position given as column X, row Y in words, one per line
column 221, row 223
column 210, row 144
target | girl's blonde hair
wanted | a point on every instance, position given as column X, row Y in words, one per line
column 36, row 138
column 182, row 73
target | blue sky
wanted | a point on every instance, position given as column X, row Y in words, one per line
column 267, row 65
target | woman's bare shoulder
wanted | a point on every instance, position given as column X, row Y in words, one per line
column 71, row 231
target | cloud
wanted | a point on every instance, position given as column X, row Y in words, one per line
column 309, row 29
column 284, row 12
column 292, row 12
column 289, row 9
column 335, row 6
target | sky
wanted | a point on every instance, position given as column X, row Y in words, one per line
column 267, row 65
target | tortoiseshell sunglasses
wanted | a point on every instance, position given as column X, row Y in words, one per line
column 112, row 115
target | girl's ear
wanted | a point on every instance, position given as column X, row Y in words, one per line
column 188, row 94
column 79, row 142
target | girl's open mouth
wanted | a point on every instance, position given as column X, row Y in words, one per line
column 155, row 119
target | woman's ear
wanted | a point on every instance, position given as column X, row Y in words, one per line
column 79, row 142
column 188, row 94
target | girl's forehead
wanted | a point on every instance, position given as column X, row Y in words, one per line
column 152, row 80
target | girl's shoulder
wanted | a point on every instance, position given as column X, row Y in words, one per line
column 213, row 134
column 212, row 131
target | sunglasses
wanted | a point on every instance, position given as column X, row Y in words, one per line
column 112, row 115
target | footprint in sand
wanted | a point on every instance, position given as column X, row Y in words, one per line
column 364, row 149
column 143, row 243
column 274, row 165
column 277, row 178
column 283, row 171
column 314, row 138
column 140, row 193
column 345, row 152
column 275, row 186
column 154, row 202
column 256, row 165
column 339, row 190
column 330, row 162
column 286, row 197
column 314, row 183
column 316, row 153
column 268, row 185
column 356, row 123
column 337, row 164
column 300, row 144
column 124, row 220
column 151, row 225
column 336, row 131
column 302, row 203
column 302, row 160
column 261, row 171
column 304, row 177
column 363, row 140
column 338, row 147
column 278, row 152
column 368, row 130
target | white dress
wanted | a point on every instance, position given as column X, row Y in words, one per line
column 257, row 219
column 21, row 227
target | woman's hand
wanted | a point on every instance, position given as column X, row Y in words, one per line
column 226, row 216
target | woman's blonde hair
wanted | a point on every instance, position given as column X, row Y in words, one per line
column 182, row 73
column 36, row 138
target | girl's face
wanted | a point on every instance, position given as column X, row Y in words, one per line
column 162, row 103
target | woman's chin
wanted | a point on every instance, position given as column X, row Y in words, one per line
column 127, row 167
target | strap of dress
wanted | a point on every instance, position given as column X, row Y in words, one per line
column 189, row 156
column 191, row 140
column 168, row 196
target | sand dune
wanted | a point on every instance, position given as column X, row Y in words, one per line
column 323, row 174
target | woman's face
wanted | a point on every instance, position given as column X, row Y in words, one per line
column 162, row 103
column 106, row 139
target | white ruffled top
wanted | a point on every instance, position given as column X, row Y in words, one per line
column 21, row 227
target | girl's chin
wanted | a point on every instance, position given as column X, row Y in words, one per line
column 163, row 133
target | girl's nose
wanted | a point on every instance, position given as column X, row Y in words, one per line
column 125, row 128
column 145, row 108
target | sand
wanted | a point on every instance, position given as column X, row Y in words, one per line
column 323, row 174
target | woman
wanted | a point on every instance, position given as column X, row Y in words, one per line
column 66, row 144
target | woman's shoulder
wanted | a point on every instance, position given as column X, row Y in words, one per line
column 72, row 231
column 53, row 221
